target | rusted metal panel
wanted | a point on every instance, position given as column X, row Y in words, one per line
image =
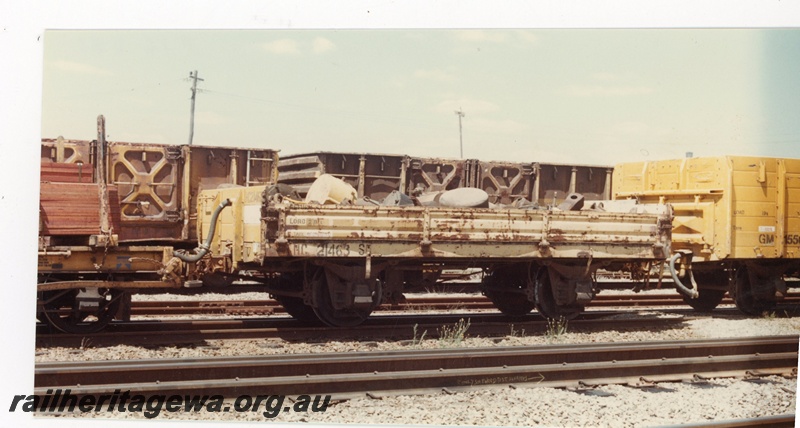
column 214, row 167
column 67, row 172
column 147, row 177
column 422, row 232
column 594, row 182
column 435, row 174
column 60, row 150
column 341, row 231
column 553, row 182
column 70, row 209
column 155, row 185
column 121, row 259
column 506, row 182
column 372, row 175
column 381, row 174
column 300, row 171
column 545, row 184
column 376, row 175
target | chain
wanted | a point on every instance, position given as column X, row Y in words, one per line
column 105, row 250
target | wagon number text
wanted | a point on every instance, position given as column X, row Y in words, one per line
column 768, row 239
column 333, row 250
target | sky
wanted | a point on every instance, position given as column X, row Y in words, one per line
column 585, row 96
column 382, row 76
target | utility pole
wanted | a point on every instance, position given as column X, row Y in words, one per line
column 193, row 76
column 460, row 114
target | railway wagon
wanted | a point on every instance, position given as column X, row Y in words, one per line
column 337, row 261
column 376, row 175
column 118, row 217
column 736, row 226
column 155, row 186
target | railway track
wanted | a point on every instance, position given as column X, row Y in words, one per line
column 380, row 327
column 778, row 421
column 376, row 374
column 470, row 302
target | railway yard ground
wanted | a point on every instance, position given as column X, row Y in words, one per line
column 525, row 404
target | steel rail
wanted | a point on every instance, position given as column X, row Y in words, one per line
column 640, row 364
column 468, row 302
column 398, row 327
column 777, row 421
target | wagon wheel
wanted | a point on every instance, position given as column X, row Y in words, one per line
column 325, row 311
column 295, row 306
column 60, row 310
column 708, row 298
column 513, row 303
column 546, row 301
column 743, row 295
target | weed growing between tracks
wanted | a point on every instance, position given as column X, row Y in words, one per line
column 784, row 313
column 453, row 336
column 418, row 342
column 556, row 329
column 516, row 333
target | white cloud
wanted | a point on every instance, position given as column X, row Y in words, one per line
column 79, row 68
column 282, row 47
column 322, row 45
column 434, row 74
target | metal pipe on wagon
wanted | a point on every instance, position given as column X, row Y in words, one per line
column 690, row 292
column 203, row 248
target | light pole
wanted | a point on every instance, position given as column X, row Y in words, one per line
column 193, row 76
column 460, row 114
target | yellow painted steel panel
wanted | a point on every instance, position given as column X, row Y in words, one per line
column 750, row 208
column 238, row 231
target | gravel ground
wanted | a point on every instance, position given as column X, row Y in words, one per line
column 614, row 406
column 617, row 406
